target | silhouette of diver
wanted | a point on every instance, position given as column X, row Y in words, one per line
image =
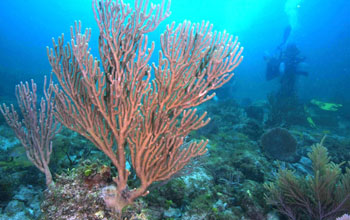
column 286, row 60
column 286, row 65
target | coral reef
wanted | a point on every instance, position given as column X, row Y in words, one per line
column 227, row 183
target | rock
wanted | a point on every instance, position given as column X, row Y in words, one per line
column 306, row 162
column 272, row 216
column 35, row 206
column 197, row 179
column 31, row 198
column 14, row 207
column 4, row 217
column 20, row 216
column 304, row 166
column 220, row 205
column 25, row 194
column 172, row 213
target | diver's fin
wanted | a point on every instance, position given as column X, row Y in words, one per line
column 286, row 35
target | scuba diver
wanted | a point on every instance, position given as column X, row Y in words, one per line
column 274, row 62
column 286, row 63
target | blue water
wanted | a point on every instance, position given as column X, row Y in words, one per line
column 322, row 33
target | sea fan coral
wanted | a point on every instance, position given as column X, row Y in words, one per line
column 279, row 144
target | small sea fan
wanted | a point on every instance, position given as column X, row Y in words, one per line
column 279, row 144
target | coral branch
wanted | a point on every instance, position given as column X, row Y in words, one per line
column 115, row 103
column 38, row 127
